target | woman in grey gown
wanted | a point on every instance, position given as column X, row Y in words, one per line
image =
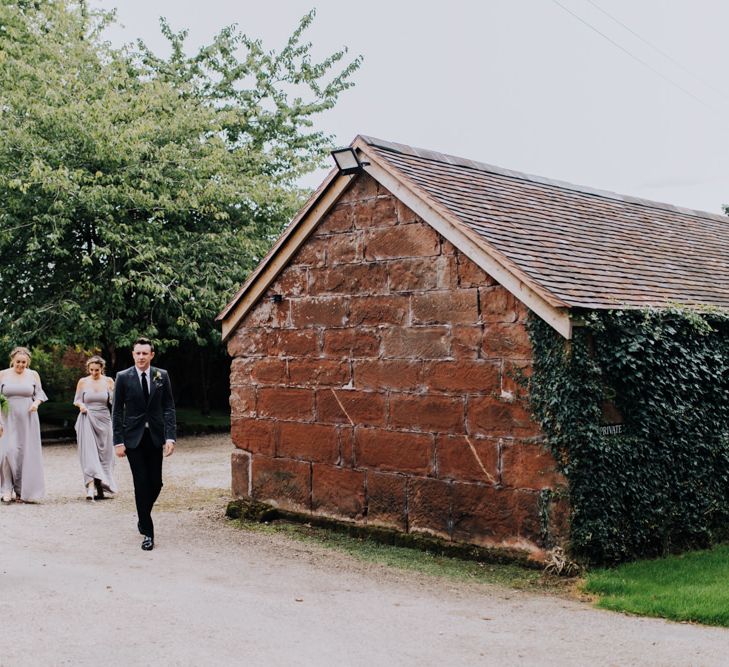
column 21, row 459
column 93, row 429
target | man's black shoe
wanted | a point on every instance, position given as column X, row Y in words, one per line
column 147, row 543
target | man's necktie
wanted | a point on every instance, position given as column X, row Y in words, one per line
column 145, row 388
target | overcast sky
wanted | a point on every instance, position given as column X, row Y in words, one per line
column 623, row 95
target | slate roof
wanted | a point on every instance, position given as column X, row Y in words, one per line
column 587, row 248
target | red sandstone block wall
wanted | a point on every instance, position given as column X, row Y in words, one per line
column 383, row 386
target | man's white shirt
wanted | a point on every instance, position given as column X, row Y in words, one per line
column 146, row 379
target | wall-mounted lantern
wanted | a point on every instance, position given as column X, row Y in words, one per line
column 347, row 161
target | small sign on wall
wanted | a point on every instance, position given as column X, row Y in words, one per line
column 612, row 420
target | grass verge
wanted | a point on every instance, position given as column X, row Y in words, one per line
column 414, row 560
column 62, row 415
column 191, row 421
column 58, row 413
column 689, row 587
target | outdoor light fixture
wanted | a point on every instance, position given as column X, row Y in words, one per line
column 347, row 161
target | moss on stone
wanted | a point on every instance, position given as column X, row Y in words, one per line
column 251, row 510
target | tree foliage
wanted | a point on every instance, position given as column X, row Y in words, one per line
column 138, row 191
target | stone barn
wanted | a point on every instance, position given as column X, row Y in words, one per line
column 378, row 348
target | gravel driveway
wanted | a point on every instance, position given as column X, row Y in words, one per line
column 76, row 589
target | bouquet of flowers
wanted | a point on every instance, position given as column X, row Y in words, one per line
column 3, row 404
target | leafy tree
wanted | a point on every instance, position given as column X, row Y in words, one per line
column 137, row 191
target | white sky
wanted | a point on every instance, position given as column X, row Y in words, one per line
column 521, row 84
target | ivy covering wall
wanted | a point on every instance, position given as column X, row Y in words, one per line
column 660, row 481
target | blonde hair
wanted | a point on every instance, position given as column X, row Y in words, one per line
column 96, row 359
column 20, row 350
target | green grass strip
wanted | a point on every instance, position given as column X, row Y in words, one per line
column 189, row 420
column 689, row 587
column 414, row 560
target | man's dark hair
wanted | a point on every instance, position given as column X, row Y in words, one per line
column 143, row 341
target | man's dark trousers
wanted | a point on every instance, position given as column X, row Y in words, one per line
column 145, row 461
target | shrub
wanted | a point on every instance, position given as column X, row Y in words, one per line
column 59, row 369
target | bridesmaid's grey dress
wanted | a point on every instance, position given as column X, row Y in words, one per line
column 21, row 469
column 94, row 436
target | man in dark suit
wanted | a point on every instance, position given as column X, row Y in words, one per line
column 144, row 424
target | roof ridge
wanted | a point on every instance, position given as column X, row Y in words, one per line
column 435, row 156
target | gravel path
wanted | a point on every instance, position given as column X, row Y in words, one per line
column 75, row 589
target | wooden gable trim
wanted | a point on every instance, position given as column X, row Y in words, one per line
column 279, row 256
column 550, row 308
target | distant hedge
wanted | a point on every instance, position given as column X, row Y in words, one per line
column 661, row 483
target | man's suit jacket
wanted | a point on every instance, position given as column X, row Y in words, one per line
column 130, row 412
